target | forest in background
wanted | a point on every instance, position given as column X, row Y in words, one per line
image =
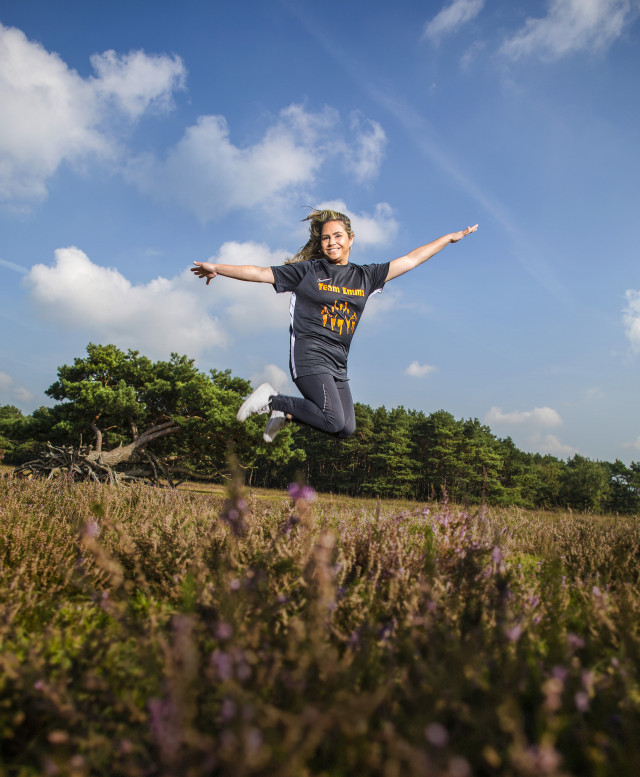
column 120, row 402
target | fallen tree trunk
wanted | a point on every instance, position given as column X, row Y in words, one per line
column 125, row 453
column 124, row 463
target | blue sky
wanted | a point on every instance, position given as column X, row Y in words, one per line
column 138, row 137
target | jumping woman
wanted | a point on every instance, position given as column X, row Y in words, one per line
column 328, row 296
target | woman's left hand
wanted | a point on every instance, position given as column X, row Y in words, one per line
column 455, row 236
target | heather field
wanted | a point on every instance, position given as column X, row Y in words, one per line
column 156, row 632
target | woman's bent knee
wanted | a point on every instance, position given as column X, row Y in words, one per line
column 347, row 430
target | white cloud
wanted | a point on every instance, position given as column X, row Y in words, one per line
column 277, row 377
column 137, row 81
column 370, row 230
column 595, row 393
column 417, row 370
column 452, row 16
column 550, row 444
column 365, row 158
column 209, row 175
column 539, row 416
column 570, row 26
column 635, row 444
column 158, row 317
column 10, row 391
column 249, row 307
column 52, row 115
column 163, row 315
column 631, row 318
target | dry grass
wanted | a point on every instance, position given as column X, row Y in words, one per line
column 155, row 632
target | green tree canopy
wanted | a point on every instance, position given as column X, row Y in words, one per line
column 124, row 402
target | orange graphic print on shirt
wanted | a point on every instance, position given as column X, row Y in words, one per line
column 339, row 317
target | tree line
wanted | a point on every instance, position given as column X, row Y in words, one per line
column 120, row 402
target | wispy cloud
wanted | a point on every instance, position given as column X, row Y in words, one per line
column 631, row 318
column 451, row 17
column 423, row 135
column 425, row 139
column 13, row 266
column 52, row 115
column 365, row 157
column 595, row 393
column 11, row 391
column 571, row 26
column 633, row 445
column 417, row 370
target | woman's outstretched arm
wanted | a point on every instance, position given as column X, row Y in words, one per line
column 242, row 272
column 419, row 255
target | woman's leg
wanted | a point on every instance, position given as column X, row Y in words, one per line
column 349, row 427
column 325, row 404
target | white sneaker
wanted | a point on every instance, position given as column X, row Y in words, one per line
column 256, row 403
column 275, row 424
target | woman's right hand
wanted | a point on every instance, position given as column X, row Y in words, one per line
column 205, row 270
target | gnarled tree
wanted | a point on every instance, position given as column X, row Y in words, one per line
column 124, row 403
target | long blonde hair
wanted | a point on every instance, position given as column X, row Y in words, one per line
column 312, row 249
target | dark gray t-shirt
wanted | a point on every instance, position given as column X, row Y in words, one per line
column 327, row 301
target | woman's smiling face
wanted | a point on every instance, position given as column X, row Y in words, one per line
column 335, row 242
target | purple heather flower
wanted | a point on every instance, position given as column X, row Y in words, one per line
column 223, row 664
column 163, row 718
column 560, row 672
column 575, row 642
column 437, row 734
column 224, row 630
column 91, row 529
column 459, row 767
column 588, row 679
column 514, row 633
column 582, row 701
column 298, row 491
column 228, row 709
column 253, row 740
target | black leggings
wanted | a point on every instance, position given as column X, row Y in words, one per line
column 327, row 404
